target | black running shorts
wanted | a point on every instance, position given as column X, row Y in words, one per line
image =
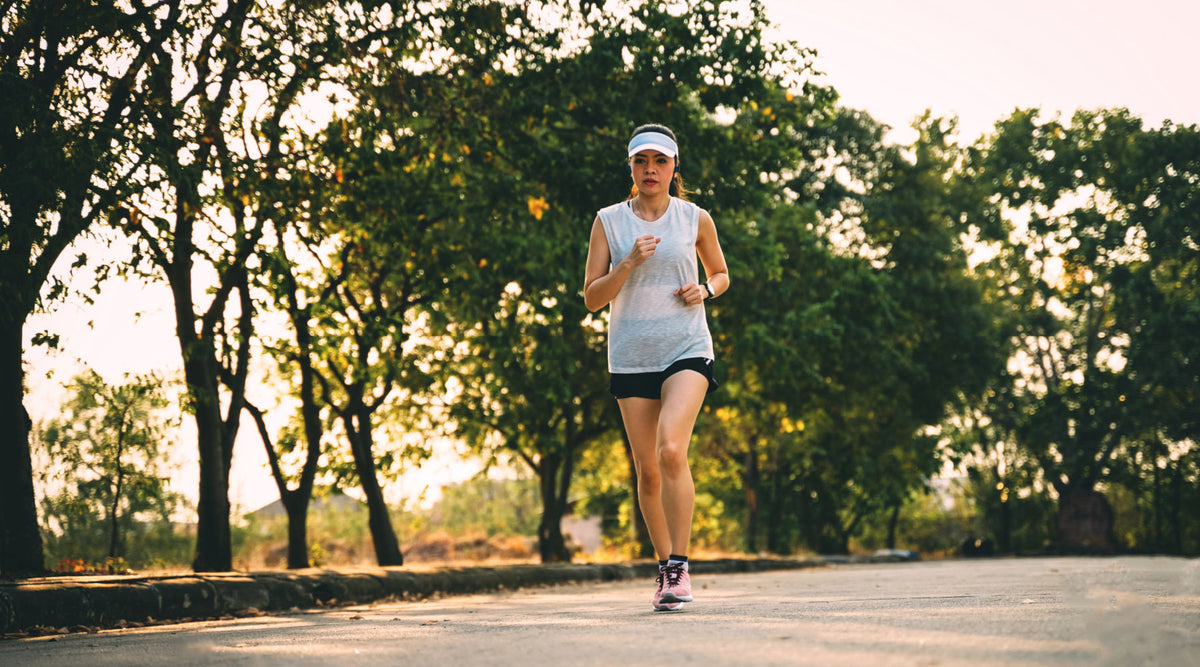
column 649, row 385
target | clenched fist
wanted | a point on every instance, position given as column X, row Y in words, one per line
column 643, row 249
column 691, row 294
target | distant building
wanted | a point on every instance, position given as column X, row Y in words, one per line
column 335, row 501
column 584, row 530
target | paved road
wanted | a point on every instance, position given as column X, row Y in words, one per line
column 1058, row 611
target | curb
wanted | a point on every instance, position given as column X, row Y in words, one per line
column 79, row 604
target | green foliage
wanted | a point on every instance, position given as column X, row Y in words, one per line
column 223, row 154
column 1088, row 219
column 603, row 487
column 337, row 534
column 65, row 151
column 477, row 516
column 862, row 327
column 1018, row 516
column 1005, row 483
column 426, row 247
column 932, row 523
column 106, row 484
column 547, row 137
column 79, row 566
column 488, row 506
column 65, row 106
column 1153, row 494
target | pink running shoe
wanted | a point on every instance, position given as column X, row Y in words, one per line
column 656, row 601
column 677, row 584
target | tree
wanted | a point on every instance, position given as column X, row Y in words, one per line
column 531, row 375
column 326, row 320
column 1153, row 174
column 65, row 160
column 869, row 327
column 767, row 338
column 381, row 243
column 295, row 500
column 945, row 339
column 216, row 155
column 1010, row 495
column 1096, row 213
column 104, row 475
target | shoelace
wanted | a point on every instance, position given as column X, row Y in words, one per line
column 659, row 580
column 673, row 573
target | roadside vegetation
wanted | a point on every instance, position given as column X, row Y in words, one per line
column 372, row 218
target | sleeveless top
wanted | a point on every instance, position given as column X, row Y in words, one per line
column 649, row 328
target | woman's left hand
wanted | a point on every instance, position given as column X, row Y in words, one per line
column 691, row 293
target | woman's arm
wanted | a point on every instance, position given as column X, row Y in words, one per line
column 711, row 255
column 600, row 285
column 708, row 247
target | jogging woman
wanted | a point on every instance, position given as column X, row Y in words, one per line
column 642, row 260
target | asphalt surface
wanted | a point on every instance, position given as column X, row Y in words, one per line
column 66, row 604
column 1044, row 611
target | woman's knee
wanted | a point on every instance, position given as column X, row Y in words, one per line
column 648, row 476
column 672, row 456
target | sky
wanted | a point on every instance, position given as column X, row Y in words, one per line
column 980, row 60
column 975, row 60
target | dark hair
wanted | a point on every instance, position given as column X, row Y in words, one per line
column 677, row 189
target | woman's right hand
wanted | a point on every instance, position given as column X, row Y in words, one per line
column 643, row 249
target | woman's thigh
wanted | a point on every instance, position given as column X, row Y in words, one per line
column 641, row 424
column 682, row 397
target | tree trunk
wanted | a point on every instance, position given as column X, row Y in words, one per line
column 642, row 546
column 552, row 547
column 1177, row 507
column 775, row 508
column 115, row 524
column 1084, row 519
column 311, row 413
column 294, row 501
column 1004, row 539
column 750, row 481
column 836, row 540
column 1156, row 503
column 387, row 546
column 296, row 504
column 893, row 522
column 214, row 550
column 20, row 538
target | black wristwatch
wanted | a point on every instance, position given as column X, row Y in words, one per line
column 708, row 288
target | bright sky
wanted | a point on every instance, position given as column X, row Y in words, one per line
column 894, row 59
column 980, row 60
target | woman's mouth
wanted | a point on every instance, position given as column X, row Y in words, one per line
column 650, row 181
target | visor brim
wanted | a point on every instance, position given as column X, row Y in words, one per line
column 665, row 150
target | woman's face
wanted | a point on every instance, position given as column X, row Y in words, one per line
column 652, row 172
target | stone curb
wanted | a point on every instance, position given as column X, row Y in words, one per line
column 78, row 603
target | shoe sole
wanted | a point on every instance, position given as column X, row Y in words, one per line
column 669, row 599
column 669, row 607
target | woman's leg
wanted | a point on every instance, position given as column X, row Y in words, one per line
column 641, row 424
column 682, row 396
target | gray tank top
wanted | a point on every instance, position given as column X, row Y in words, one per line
column 649, row 328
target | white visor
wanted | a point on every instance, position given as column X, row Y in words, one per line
column 653, row 141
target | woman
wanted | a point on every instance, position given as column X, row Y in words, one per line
column 642, row 260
